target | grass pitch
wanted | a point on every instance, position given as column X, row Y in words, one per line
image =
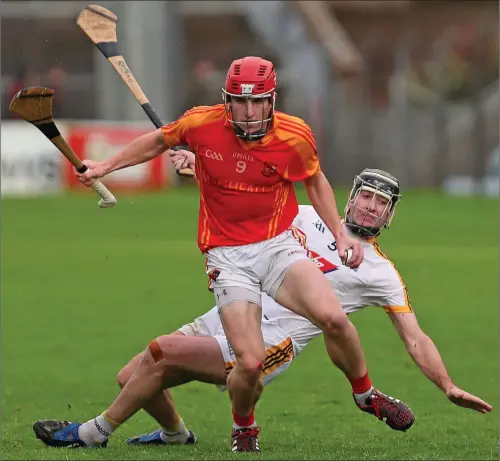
column 85, row 289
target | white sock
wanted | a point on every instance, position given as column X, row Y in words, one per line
column 361, row 398
column 236, row 426
column 95, row 430
column 179, row 435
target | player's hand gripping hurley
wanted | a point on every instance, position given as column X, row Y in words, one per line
column 34, row 104
column 100, row 26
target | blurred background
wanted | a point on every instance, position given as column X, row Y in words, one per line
column 407, row 86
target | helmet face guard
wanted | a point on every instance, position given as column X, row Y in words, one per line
column 242, row 129
column 250, row 78
column 379, row 183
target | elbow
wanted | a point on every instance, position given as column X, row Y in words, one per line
column 153, row 153
column 314, row 181
column 411, row 344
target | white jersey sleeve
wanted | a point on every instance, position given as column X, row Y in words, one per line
column 386, row 288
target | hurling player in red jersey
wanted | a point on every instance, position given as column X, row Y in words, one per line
column 247, row 158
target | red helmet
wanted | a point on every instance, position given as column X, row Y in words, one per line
column 254, row 78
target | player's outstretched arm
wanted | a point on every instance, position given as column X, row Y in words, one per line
column 426, row 355
column 140, row 150
column 323, row 200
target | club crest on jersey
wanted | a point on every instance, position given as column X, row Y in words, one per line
column 247, row 89
column 269, row 170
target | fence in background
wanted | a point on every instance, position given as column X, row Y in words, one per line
column 430, row 117
column 437, row 118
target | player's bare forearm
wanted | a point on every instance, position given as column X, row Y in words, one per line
column 422, row 350
column 140, row 150
column 426, row 355
column 323, row 200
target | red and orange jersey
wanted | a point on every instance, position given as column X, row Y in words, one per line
column 246, row 188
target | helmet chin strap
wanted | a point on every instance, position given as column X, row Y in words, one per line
column 248, row 136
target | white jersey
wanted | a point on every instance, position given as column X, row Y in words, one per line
column 375, row 283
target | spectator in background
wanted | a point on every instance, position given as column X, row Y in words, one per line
column 55, row 78
column 24, row 76
column 204, row 79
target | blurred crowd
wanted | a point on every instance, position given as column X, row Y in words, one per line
column 54, row 77
column 462, row 72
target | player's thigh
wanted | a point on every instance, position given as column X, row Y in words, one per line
column 277, row 257
column 232, row 267
column 191, row 358
column 241, row 321
column 306, row 291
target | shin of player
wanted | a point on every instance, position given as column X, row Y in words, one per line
column 242, row 324
column 168, row 361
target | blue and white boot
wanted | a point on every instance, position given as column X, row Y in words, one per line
column 54, row 433
column 155, row 438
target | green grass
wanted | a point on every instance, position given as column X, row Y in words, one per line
column 84, row 289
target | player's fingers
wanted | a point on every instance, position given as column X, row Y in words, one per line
column 481, row 404
column 464, row 399
column 88, row 177
column 356, row 258
column 179, row 163
column 177, row 153
column 354, row 263
column 90, row 163
column 342, row 254
column 481, row 407
column 86, row 181
column 177, row 159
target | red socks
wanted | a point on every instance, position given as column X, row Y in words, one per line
column 361, row 385
column 244, row 421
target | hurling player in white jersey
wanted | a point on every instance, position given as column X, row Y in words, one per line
column 200, row 351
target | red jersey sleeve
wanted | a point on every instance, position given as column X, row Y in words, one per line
column 299, row 137
column 176, row 133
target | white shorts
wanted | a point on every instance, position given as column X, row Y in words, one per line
column 256, row 267
column 280, row 348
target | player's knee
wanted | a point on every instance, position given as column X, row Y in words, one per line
column 156, row 348
column 251, row 364
column 123, row 376
column 126, row 372
column 335, row 324
column 167, row 349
